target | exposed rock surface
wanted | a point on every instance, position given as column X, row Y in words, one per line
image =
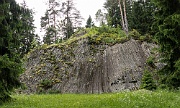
column 86, row 68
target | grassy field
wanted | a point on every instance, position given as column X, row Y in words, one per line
column 136, row 99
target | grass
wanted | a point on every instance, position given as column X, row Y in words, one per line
column 136, row 99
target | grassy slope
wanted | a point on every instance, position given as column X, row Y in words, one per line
column 136, row 99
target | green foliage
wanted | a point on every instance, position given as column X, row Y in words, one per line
column 61, row 19
column 89, row 22
column 147, row 81
column 139, row 14
column 113, row 15
column 142, row 16
column 49, row 36
column 27, row 30
column 103, row 35
column 135, row 99
column 10, row 44
column 134, row 34
column 9, row 73
column 106, row 35
column 167, row 25
column 69, row 29
column 148, row 38
column 150, row 61
column 45, row 84
column 174, row 79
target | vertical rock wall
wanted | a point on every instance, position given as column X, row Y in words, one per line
column 85, row 68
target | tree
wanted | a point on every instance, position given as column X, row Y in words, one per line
column 124, row 22
column 10, row 63
column 129, row 4
column 147, row 81
column 119, row 13
column 27, row 30
column 72, row 18
column 89, row 22
column 142, row 16
column 100, row 17
column 167, row 25
column 49, row 35
column 49, row 22
column 113, row 13
column 60, row 20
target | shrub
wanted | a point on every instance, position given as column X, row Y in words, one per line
column 147, row 81
column 134, row 34
column 150, row 61
column 45, row 84
column 105, row 35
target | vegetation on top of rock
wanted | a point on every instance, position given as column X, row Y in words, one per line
column 100, row 36
column 96, row 36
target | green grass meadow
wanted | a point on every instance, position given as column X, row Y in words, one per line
column 135, row 99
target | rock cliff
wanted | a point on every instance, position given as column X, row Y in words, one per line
column 83, row 67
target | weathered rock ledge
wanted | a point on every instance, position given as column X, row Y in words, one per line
column 85, row 68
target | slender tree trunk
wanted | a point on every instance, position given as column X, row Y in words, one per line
column 125, row 17
column 55, row 38
column 122, row 18
column 67, row 25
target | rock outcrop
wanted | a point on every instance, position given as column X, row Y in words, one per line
column 82, row 67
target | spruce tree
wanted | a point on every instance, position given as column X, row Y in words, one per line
column 113, row 13
column 147, row 81
column 89, row 22
column 167, row 25
column 10, row 64
column 27, row 29
column 142, row 16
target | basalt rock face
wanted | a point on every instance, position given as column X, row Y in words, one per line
column 86, row 68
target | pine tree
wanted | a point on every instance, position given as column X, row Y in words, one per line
column 89, row 22
column 72, row 18
column 60, row 20
column 10, row 64
column 49, row 22
column 167, row 25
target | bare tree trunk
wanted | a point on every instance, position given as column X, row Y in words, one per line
column 125, row 17
column 67, row 15
column 55, row 37
column 122, row 18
